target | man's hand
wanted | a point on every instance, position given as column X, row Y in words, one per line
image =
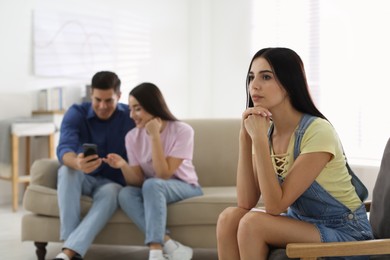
column 88, row 164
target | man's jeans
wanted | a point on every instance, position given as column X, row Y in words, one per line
column 147, row 206
column 79, row 234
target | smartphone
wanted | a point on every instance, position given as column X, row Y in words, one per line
column 89, row 149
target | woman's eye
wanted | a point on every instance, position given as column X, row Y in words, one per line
column 137, row 108
column 266, row 77
column 250, row 78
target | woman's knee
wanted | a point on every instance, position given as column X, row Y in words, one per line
column 152, row 184
column 229, row 219
column 227, row 214
column 232, row 214
column 252, row 224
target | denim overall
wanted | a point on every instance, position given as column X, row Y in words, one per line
column 334, row 220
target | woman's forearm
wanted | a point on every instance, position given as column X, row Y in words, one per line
column 248, row 192
column 159, row 160
column 132, row 176
column 268, row 183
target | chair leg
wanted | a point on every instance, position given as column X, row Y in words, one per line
column 41, row 250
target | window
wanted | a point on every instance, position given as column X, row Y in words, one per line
column 343, row 44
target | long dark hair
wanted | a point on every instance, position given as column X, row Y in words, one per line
column 289, row 70
column 151, row 99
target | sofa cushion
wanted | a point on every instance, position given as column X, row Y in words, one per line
column 203, row 209
column 216, row 150
column 44, row 201
column 193, row 211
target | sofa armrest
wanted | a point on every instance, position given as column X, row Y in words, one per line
column 44, row 172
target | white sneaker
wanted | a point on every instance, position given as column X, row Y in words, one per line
column 61, row 256
column 182, row 252
column 163, row 257
column 157, row 255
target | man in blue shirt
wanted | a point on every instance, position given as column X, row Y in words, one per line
column 104, row 122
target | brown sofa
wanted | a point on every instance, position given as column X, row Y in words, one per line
column 192, row 221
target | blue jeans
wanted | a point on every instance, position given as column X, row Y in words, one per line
column 79, row 233
column 147, row 206
column 334, row 221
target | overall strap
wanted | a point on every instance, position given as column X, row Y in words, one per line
column 306, row 120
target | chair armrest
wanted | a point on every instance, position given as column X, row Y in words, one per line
column 354, row 248
column 44, row 172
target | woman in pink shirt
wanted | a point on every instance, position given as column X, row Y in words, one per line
column 159, row 171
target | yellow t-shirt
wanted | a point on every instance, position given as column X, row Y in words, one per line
column 320, row 136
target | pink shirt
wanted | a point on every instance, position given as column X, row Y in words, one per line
column 177, row 140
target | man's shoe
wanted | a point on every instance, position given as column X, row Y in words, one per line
column 61, row 256
column 77, row 257
column 182, row 252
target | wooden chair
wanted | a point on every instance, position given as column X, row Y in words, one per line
column 379, row 209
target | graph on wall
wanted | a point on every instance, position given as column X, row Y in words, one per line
column 72, row 45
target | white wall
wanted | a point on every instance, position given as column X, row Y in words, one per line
column 199, row 50
column 219, row 57
column 199, row 53
column 167, row 20
column 367, row 174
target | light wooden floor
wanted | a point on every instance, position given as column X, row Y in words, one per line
column 12, row 248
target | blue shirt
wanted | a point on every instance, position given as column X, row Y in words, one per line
column 81, row 125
